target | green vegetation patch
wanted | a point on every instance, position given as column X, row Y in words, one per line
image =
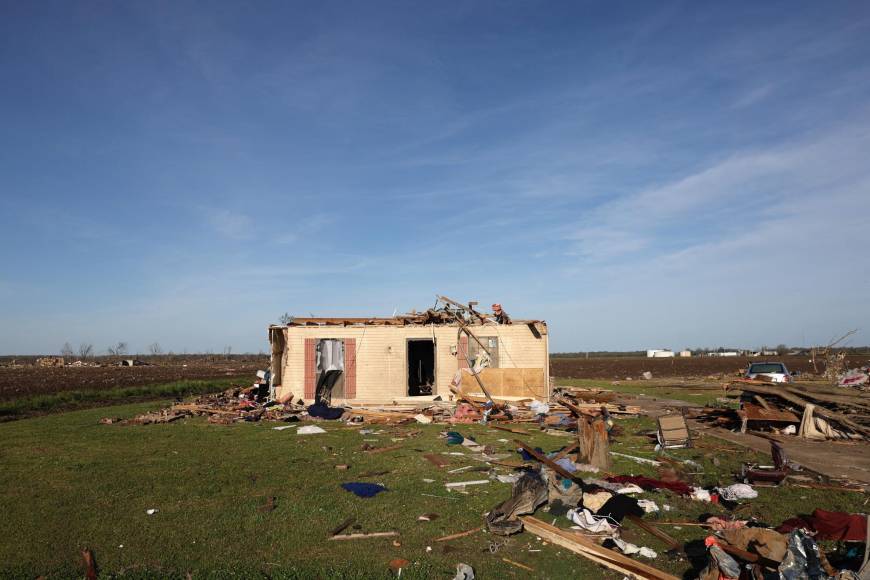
column 66, row 400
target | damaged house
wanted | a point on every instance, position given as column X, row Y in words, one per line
column 418, row 354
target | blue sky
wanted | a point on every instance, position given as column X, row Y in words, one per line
column 639, row 174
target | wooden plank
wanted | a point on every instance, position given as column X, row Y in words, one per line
column 588, row 549
column 549, row 463
column 761, row 389
column 459, row 535
column 365, row 536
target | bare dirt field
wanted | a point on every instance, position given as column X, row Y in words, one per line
column 622, row 367
column 19, row 381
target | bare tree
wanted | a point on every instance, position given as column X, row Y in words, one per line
column 86, row 350
column 228, row 350
column 154, row 348
column 285, row 318
column 119, row 349
column 67, row 350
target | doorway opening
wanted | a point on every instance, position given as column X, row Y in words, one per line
column 421, row 367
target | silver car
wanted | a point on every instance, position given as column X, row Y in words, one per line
column 775, row 370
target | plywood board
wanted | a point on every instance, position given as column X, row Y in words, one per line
column 527, row 382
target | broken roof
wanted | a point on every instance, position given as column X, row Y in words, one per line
column 411, row 319
column 451, row 313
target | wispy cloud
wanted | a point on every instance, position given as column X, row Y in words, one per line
column 231, row 224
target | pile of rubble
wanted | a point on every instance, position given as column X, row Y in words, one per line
column 810, row 411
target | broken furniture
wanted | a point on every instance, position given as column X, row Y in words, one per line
column 673, row 432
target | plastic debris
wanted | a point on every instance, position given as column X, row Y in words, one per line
column 362, row 489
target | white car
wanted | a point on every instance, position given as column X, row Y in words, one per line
column 776, row 372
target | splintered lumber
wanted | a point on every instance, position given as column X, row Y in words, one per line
column 459, row 535
column 518, row 565
column 364, row 536
column 453, row 484
column 802, row 403
column 594, row 446
column 594, row 409
column 382, row 416
column 549, row 463
column 589, row 549
column 576, row 410
column 194, row 408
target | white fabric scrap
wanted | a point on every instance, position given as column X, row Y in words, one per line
column 630, row 488
column 641, row 460
column 628, row 549
column 310, row 430
column 700, row 494
column 589, row 522
column 737, row 491
column 648, row 505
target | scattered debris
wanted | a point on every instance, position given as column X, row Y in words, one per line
column 364, row 536
column 464, row 572
column 362, row 489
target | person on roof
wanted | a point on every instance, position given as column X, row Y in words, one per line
column 500, row 315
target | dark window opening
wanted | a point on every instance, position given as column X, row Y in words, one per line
column 421, row 367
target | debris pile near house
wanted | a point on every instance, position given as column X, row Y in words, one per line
column 807, row 410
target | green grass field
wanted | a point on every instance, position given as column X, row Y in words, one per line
column 69, row 482
column 69, row 400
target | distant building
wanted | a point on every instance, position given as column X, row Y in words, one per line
column 659, row 353
column 685, row 353
column 726, row 353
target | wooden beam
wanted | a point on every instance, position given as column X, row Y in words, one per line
column 459, row 535
column 549, row 463
column 364, row 536
column 589, row 549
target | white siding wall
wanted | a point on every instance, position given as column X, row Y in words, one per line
column 382, row 355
